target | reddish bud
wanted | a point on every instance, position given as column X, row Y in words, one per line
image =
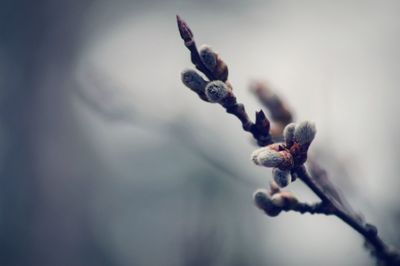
column 184, row 30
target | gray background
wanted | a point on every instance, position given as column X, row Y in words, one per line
column 107, row 159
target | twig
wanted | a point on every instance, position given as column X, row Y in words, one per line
column 187, row 36
column 260, row 129
column 313, row 208
column 381, row 250
column 287, row 158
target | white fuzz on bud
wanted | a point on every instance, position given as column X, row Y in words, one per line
column 305, row 132
column 267, row 157
column 288, row 133
column 254, row 155
column 216, row 91
column 281, row 177
column 193, row 80
column 209, row 57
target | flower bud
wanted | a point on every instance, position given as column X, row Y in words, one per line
column 209, row 57
column 216, row 91
column 193, row 80
column 221, row 70
column 305, row 132
column 281, row 177
column 288, row 134
column 262, row 123
column 263, row 201
column 274, row 155
column 185, row 31
column 267, row 157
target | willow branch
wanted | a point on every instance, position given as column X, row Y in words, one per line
column 260, row 129
column 381, row 250
column 273, row 202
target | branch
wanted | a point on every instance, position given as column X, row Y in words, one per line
column 273, row 201
column 311, row 208
column 219, row 71
column 187, row 36
column 286, row 158
column 389, row 255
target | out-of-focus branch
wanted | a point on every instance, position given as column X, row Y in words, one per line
column 97, row 86
column 287, row 159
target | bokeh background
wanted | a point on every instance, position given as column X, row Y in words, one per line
column 107, row 159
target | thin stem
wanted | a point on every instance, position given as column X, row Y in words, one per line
column 368, row 231
column 259, row 130
column 313, row 208
column 187, row 36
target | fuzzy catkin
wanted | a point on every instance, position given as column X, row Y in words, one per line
column 281, row 177
column 267, row 157
column 288, row 133
column 216, row 91
column 193, row 80
column 305, row 132
column 209, row 57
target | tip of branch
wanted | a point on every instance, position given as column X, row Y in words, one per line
column 184, row 30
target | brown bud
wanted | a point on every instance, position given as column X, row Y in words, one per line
column 221, row 70
column 184, row 30
column 262, row 122
column 209, row 57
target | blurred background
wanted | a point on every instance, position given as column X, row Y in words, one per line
column 107, row 159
